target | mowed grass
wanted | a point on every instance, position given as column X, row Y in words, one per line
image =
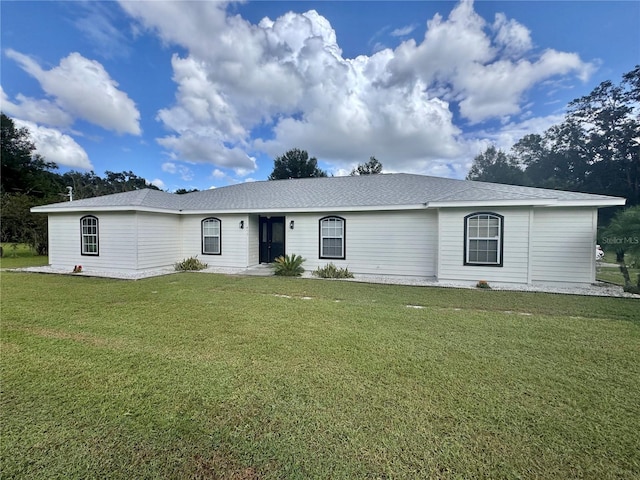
column 20, row 255
column 613, row 274
column 213, row 376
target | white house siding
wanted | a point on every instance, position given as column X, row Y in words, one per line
column 234, row 241
column 563, row 244
column 384, row 243
column 159, row 240
column 515, row 262
column 116, row 241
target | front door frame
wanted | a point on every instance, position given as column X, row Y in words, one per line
column 269, row 247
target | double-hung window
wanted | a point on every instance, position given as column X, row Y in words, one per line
column 332, row 237
column 89, row 235
column 211, row 236
column 483, row 239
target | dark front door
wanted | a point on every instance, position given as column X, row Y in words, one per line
column 271, row 238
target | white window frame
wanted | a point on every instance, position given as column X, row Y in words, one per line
column 89, row 230
column 491, row 230
column 206, row 233
column 329, row 231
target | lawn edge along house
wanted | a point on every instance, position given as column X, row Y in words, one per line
column 389, row 224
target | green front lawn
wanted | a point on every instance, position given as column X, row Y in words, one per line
column 213, row 376
column 614, row 275
column 20, row 255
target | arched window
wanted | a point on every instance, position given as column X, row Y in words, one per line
column 483, row 239
column 211, row 229
column 89, row 235
column 332, row 233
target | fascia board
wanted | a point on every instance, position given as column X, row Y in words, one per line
column 76, row 209
column 547, row 202
column 613, row 201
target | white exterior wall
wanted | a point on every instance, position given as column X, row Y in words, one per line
column 234, row 244
column 563, row 245
column 384, row 243
column 515, row 256
column 159, row 240
column 117, row 246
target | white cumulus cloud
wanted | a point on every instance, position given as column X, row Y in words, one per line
column 56, row 147
column 34, row 110
column 158, row 183
column 84, row 89
column 284, row 83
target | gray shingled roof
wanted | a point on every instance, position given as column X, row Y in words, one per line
column 387, row 190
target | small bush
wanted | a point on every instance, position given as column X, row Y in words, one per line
column 289, row 265
column 483, row 284
column 190, row 264
column 331, row 271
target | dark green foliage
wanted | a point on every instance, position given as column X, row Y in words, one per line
column 295, row 164
column 289, row 265
column 190, row 264
column 594, row 150
column 88, row 184
column 331, row 271
column 372, row 167
column 23, row 171
column 494, row 165
column 19, row 225
column 623, row 233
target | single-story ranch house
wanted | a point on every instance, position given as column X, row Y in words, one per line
column 389, row 224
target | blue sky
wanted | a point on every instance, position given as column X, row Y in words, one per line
column 204, row 94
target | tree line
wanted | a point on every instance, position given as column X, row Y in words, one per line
column 595, row 149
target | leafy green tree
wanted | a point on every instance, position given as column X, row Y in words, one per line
column 182, row 191
column 494, row 165
column 295, row 164
column 610, row 133
column 595, row 149
column 372, row 167
column 117, row 182
column 23, row 170
column 19, row 225
column 88, row 184
column 623, row 234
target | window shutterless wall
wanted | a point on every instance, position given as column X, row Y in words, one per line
column 234, row 241
column 385, row 243
column 515, row 247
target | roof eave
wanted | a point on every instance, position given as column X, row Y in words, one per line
column 545, row 202
column 120, row 208
column 612, row 202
